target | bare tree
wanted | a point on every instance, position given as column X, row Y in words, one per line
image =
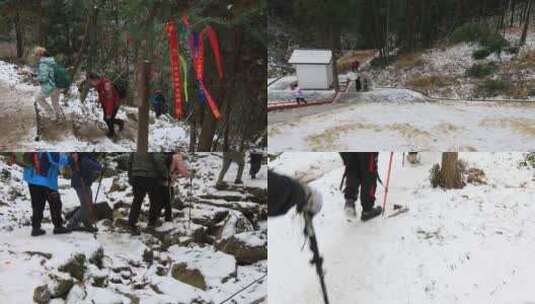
column 450, row 174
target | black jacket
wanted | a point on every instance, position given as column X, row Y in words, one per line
column 284, row 193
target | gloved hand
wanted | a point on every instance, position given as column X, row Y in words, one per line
column 313, row 200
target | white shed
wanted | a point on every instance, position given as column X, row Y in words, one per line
column 314, row 68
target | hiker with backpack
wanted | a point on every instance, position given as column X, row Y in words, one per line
column 177, row 168
column 255, row 159
column 285, row 193
column 41, row 170
column 145, row 173
column 52, row 77
column 228, row 159
column 360, row 172
column 158, row 103
column 109, row 97
column 85, row 169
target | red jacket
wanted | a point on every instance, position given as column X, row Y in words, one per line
column 107, row 95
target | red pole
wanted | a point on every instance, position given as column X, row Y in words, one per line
column 388, row 180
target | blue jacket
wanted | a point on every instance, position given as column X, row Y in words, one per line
column 49, row 178
column 86, row 169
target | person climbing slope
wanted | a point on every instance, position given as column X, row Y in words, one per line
column 41, row 170
column 228, row 159
column 360, row 172
column 145, row 172
column 46, row 76
column 255, row 159
column 85, row 169
column 109, row 99
column 177, row 168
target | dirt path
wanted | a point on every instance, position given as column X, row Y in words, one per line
column 17, row 118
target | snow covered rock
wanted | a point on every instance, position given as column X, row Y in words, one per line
column 191, row 277
column 214, row 267
column 75, row 266
column 247, row 247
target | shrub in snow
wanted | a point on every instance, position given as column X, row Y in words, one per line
column 492, row 87
column 75, row 267
column 41, row 295
column 97, row 258
column 481, row 70
column 481, row 54
column 529, row 160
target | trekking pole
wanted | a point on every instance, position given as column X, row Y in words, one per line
column 190, row 197
column 317, row 259
column 100, row 182
column 388, row 180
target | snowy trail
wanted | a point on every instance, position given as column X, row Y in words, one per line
column 82, row 130
column 400, row 124
column 17, row 117
column 445, row 250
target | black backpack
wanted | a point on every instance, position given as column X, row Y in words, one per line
column 121, row 85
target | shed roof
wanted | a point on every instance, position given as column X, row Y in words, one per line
column 311, row 56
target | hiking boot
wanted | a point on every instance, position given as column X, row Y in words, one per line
column 85, row 229
column 110, row 135
column 168, row 218
column 38, row 232
column 61, row 230
column 369, row 214
column 238, row 182
column 253, row 176
column 349, row 209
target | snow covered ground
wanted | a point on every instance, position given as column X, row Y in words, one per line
column 84, row 129
column 473, row 245
column 206, row 260
column 400, row 120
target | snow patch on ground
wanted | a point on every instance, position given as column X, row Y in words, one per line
column 438, row 252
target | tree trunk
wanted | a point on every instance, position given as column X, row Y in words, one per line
column 143, row 103
column 449, row 172
column 206, row 138
column 526, row 24
column 512, row 13
column 20, row 35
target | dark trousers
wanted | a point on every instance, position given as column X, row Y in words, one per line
column 361, row 171
column 39, row 196
column 300, row 99
column 166, row 200
column 256, row 163
column 111, row 122
column 141, row 187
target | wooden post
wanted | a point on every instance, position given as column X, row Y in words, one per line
column 143, row 104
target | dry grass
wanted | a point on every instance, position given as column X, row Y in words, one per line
column 429, row 82
column 522, row 125
column 521, row 90
column 526, row 61
column 408, row 130
column 328, row 137
column 410, row 60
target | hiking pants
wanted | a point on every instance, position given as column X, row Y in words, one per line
column 112, row 121
column 300, row 99
column 361, row 171
column 39, row 196
column 40, row 99
column 141, row 187
column 82, row 215
column 256, row 163
column 227, row 161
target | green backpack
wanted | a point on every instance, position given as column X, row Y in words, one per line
column 61, row 77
